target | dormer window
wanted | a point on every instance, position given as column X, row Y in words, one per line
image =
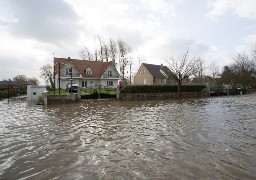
column 88, row 71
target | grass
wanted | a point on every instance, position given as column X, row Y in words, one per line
column 102, row 91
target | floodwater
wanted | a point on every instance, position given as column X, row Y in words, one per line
column 211, row 138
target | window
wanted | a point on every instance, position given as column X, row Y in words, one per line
column 34, row 93
column 68, row 71
column 144, row 71
column 84, row 83
column 109, row 83
column 88, row 71
column 109, row 73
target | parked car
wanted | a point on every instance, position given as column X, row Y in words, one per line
column 72, row 88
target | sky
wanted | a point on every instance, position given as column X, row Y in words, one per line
column 33, row 31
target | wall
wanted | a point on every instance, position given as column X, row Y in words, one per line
column 151, row 96
column 33, row 92
column 141, row 75
column 58, row 99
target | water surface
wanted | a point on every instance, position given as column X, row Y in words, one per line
column 211, row 138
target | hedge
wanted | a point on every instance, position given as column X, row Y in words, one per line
column 161, row 89
column 12, row 92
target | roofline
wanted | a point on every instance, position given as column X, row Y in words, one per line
column 66, row 59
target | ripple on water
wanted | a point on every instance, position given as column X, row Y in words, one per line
column 182, row 139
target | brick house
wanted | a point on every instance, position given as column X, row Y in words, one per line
column 150, row 74
column 87, row 74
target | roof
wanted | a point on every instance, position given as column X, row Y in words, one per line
column 155, row 70
column 98, row 67
column 6, row 83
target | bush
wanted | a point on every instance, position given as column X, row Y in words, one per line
column 12, row 92
column 40, row 99
column 161, row 89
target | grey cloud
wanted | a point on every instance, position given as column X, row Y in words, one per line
column 178, row 47
column 51, row 21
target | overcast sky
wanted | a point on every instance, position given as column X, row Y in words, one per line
column 31, row 30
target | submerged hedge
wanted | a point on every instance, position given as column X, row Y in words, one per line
column 12, row 92
column 161, row 89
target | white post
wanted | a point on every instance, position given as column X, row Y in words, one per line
column 29, row 92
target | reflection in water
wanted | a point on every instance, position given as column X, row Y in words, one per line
column 106, row 139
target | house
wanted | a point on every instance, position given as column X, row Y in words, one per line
column 33, row 92
column 87, row 74
column 150, row 74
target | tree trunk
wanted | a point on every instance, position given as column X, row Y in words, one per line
column 51, row 82
column 179, row 89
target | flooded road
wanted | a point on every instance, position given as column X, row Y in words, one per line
column 211, row 138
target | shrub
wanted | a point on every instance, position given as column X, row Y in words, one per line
column 12, row 92
column 40, row 99
column 161, row 89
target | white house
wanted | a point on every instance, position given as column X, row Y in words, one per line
column 33, row 92
column 87, row 74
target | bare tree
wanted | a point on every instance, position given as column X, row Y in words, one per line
column 254, row 53
column 214, row 70
column 115, row 50
column 123, row 50
column 86, row 54
column 106, row 51
column 33, row 80
column 200, row 69
column 244, row 70
column 96, row 54
column 46, row 72
column 112, row 50
column 241, row 73
column 182, row 68
column 20, row 79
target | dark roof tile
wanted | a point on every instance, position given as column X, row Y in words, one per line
column 155, row 70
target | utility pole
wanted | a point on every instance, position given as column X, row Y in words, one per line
column 59, row 78
column 130, row 73
column 54, row 79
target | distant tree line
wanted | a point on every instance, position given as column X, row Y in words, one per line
column 242, row 72
column 20, row 81
column 15, row 86
column 191, row 70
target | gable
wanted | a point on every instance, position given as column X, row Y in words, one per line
column 111, row 72
column 142, row 70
